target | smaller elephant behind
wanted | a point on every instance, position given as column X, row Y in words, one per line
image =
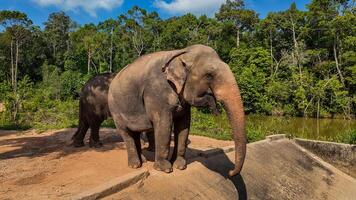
column 93, row 109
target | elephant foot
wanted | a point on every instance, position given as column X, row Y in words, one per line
column 134, row 163
column 77, row 143
column 163, row 165
column 143, row 158
column 95, row 144
column 180, row 163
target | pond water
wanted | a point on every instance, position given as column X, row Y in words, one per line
column 258, row 126
column 302, row 127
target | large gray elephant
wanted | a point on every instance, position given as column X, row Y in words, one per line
column 93, row 110
column 156, row 92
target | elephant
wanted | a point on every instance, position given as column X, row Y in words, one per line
column 93, row 110
column 156, row 92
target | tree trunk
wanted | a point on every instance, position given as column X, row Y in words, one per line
column 238, row 37
column 15, row 110
column 94, row 65
column 16, row 64
column 296, row 50
column 337, row 62
column 12, row 64
column 271, row 50
column 89, row 58
column 111, row 49
column 138, row 42
column 296, row 55
column 318, row 111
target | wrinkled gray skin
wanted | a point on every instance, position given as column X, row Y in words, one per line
column 93, row 110
column 156, row 92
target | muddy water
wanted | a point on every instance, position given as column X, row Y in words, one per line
column 303, row 127
column 311, row 128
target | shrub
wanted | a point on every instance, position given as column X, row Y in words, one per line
column 218, row 127
column 348, row 137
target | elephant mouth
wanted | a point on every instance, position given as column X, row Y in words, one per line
column 205, row 93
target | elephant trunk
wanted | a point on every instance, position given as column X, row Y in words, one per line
column 227, row 91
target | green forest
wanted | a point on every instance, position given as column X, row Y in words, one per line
column 290, row 63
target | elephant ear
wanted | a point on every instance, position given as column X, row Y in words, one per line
column 176, row 72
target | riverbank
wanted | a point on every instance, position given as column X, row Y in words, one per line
column 260, row 126
column 217, row 127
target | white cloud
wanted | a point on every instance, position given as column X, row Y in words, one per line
column 197, row 7
column 89, row 6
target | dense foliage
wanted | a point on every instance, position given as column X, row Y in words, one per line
column 292, row 62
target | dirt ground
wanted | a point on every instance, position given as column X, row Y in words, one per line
column 46, row 166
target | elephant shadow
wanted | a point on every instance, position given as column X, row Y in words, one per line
column 221, row 164
column 58, row 142
column 218, row 163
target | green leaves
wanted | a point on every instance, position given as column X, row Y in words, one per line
column 250, row 68
column 289, row 63
column 235, row 11
column 13, row 18
column 56, row 32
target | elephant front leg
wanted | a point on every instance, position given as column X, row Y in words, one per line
column 162, row 133
column 181, row 132
column 133, row 154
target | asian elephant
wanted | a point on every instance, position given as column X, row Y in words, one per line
column 156, row 91
column 93, row 110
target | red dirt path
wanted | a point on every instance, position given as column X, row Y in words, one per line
column 46, row 166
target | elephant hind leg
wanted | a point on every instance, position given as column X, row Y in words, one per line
column 79, row 135
column 94, row 140
column 133, row 146
column 137, row 139
column 151, row 141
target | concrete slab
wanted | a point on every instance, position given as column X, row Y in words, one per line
column 274, row 169
column 112, row 186
column 343, row 156
column 197, row 182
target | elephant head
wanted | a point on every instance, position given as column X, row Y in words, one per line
column 197, row 70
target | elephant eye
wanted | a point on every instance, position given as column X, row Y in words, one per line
column 209, row 76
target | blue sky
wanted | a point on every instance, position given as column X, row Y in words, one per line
column 94, row 11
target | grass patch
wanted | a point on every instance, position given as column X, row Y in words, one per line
column 57, row 115
column 347, row 137
column 64, row 114
column 109, row 123
column 218, row 127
